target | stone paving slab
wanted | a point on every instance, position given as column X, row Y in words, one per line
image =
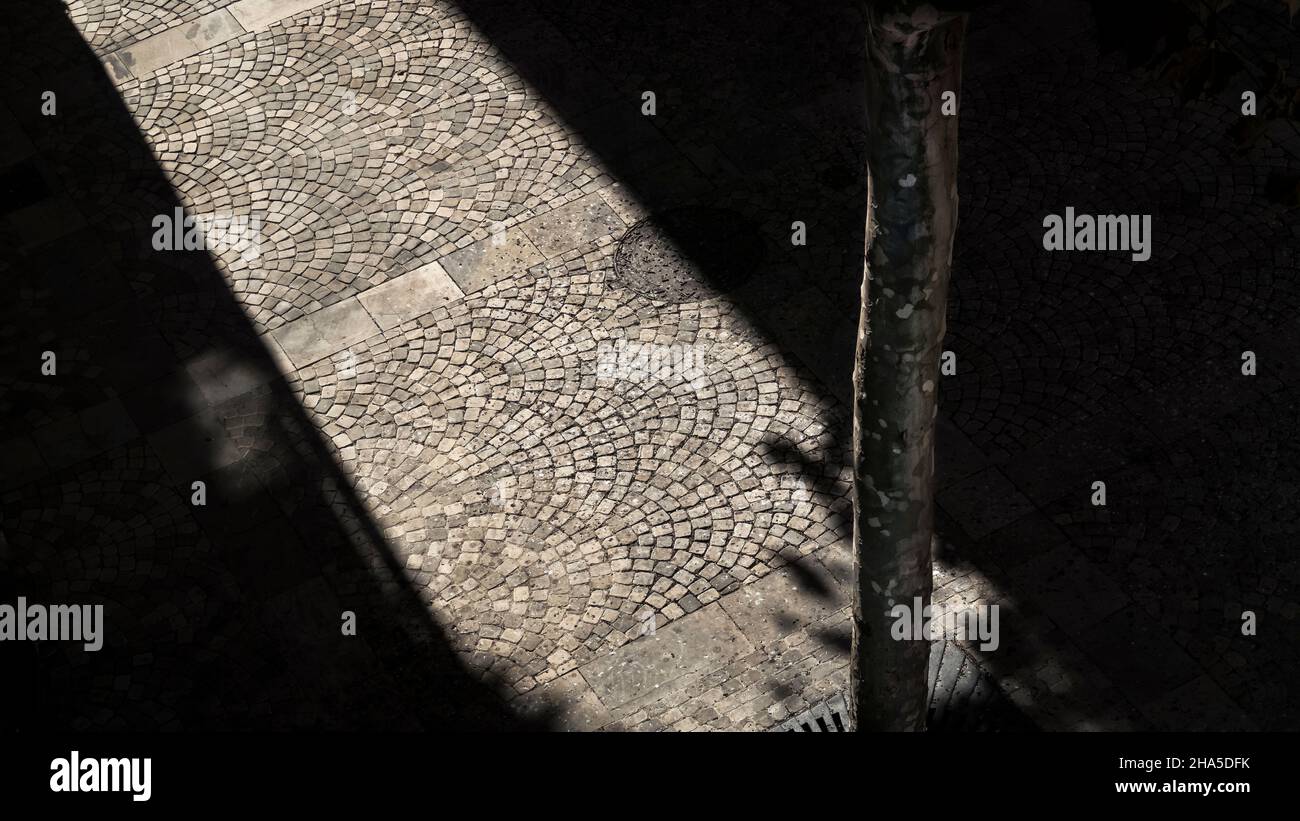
column 475, row 267
column 147, row 56
column 955, row 457
column 570, row 226
column 409, row 295
column 111, row 24
column 1148, row 663
column 651, row 664
column 1196, row 707
column 278, row 357
column 328, row 331
column 256, row 15
column 220, row 375
column 190, row 448
column 91, row 431
column 624, row 203
column 492, row 159
column 784, row 601
column 117, row 69
column 985, row 502
column 1069, row 588
column 756, row 691
column 1024, row 540
column 569, row 704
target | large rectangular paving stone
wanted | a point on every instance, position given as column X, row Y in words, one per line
column 1023, row 540
column 194, row 447
column 328, row 331
column 704, row 640
column 175, row 44
column 1199, row 706
column 116, row 69
column 410, row 295
column 566, row 704
column 255, row 15
column 569, row 226
column 1132, row 647
column 786, row 601
column 280, row 359
column 624, row 202
column 984, row 502
column 91, row 431
column 1069, row 588
column 222, row 373
column 491, row 260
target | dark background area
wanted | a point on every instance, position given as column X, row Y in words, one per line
column 1073, row 368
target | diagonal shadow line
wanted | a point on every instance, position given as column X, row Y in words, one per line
column 726, row 141
column 753, row 98
column 664, row 191
column 728, row 147
column 219, row 617
column 730, row 136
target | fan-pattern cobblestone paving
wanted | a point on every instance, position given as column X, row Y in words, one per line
column 455, row 277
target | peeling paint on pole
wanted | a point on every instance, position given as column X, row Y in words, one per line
column 915, row 56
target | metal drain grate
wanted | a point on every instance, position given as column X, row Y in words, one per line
column 688, row 254
column 831, row 716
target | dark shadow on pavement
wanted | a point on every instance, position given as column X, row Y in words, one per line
column 1071, row 366
column 226, row 615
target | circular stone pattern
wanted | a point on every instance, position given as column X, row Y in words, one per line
column 687, row 254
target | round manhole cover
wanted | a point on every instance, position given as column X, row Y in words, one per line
column 688, row 254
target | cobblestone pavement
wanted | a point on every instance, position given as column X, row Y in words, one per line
column 538, row 387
